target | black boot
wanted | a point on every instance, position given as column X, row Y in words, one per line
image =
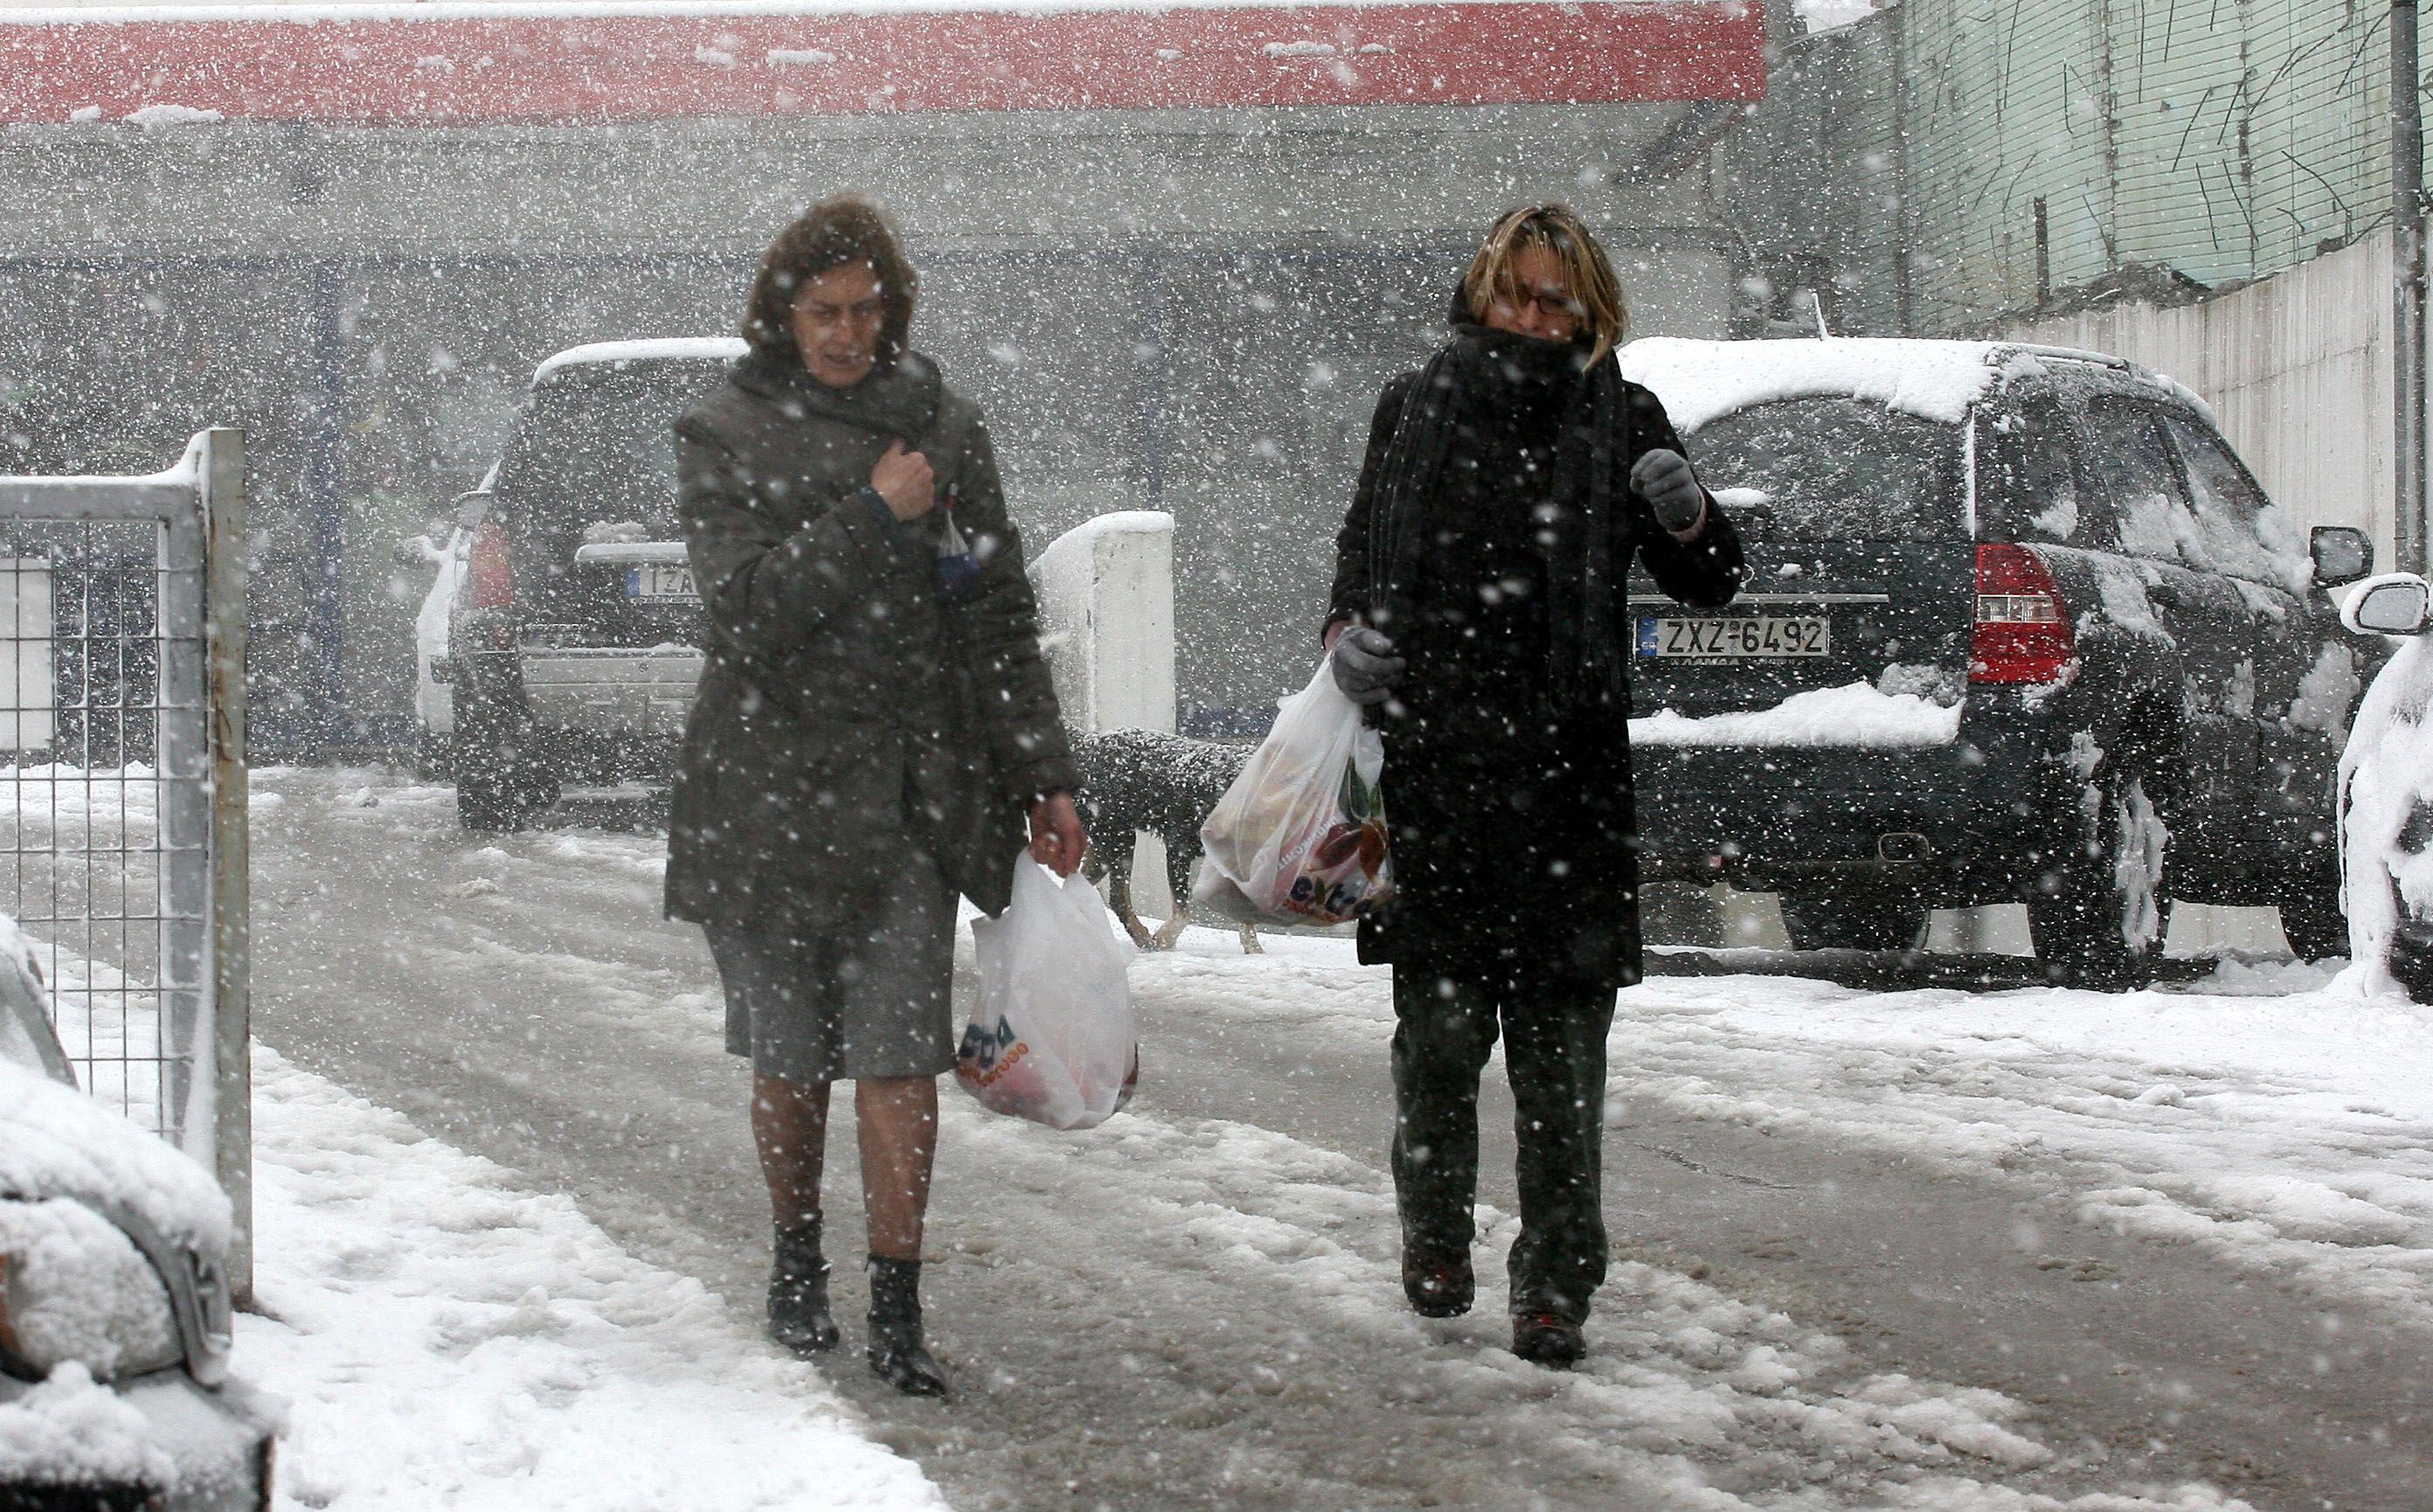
column 1438, row 1283
column 799, row 1292
column 895, row 1351
column 1549, row 1339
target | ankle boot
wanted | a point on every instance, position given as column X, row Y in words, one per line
column 895, row 1351
column 799, row 1292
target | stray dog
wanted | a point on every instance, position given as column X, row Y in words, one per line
column 1135, row 780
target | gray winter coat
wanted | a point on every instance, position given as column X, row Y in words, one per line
column 851, row 706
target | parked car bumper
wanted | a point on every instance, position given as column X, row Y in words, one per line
column 621, row 691
column 611, row 691
column 1954, row 817
column 218, row 1443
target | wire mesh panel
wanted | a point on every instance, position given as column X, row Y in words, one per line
column 89, row 872
column 122, row 844
column 82, row 794
column 105, row 778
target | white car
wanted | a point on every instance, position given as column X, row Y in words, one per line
column 2386, row 793
column 115, row 1309
column 559, row 644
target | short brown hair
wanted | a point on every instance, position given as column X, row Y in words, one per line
column 1555, row 228
column 839, row 230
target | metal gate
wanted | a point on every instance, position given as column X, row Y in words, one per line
column 123, row 790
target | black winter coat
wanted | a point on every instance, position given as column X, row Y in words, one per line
column 1515, row 850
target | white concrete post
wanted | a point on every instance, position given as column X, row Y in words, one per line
column 1106, row 618
column 1106, row 621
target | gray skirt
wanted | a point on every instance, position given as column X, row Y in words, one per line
column 867, row 995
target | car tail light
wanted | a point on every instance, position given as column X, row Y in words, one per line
column 2023, row 633
column 488, row 576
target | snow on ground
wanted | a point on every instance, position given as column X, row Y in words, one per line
column 2256, row 1113
column 86, row 884
column 1692, row 1398
column 1695, row 1397
column 444, row 1339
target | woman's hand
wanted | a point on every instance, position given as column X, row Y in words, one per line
column 1056, row 838
column 904, row 480
column 1663, row 479
column 1366, row 666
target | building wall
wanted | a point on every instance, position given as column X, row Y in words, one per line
column 2000, row 110
column 1190, row 311
column 2207, row 146
column 1809, row 183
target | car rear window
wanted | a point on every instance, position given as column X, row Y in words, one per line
column 1836, row 469
column 599, row 450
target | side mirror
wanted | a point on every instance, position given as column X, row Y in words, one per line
column 2395, row 604
column 2342, row 553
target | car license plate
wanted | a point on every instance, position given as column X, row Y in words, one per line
column 1733, row 637
column 661, row 583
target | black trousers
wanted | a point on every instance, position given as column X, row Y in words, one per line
column 1554, row 1050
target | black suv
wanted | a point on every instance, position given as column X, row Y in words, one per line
column 574, row 627
column 2020, row 626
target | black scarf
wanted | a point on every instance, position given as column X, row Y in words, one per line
column 898, row 399
column 1587, row 539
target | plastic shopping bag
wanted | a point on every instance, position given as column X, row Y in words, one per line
column 1300, row 838
column 1053, row 1038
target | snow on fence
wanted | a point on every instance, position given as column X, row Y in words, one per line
column 123, row 800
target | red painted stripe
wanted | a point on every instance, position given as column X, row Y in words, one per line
column 573, row 68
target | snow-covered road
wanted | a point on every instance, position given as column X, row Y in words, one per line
column 1911, row 1248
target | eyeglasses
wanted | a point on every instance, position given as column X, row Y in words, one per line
column 1552, row 304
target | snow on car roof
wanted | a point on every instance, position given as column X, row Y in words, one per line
column 665, row 348
column 1700, row 380
column 58, row 1142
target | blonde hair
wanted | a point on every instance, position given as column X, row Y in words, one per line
column 1492, row 274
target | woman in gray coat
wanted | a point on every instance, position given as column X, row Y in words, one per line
column 874, row 728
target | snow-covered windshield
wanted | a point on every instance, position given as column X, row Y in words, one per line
column 1836, row 469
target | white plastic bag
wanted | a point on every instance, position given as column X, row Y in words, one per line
column 1300, row 838
column 1053, row 1037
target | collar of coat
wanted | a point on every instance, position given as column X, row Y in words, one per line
column 900, row 399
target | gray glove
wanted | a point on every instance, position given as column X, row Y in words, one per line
column 1664, row 479
column 1365, row 665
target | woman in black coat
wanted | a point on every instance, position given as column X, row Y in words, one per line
column 1480, row 611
